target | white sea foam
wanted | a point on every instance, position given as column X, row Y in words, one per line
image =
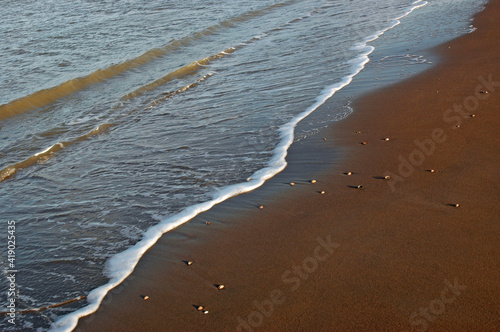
column 48, row 149
column 121, row 265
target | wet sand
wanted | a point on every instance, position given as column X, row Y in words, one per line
column 395, row 254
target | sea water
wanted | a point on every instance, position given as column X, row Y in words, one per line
column 120, row 120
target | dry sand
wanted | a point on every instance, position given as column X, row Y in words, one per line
column 370, row 259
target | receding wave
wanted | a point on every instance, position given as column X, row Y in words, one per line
column 48, row 96
column 43, row 156
column 181, row 90
column 48, row 153
column 182, row 72
column 100, row 75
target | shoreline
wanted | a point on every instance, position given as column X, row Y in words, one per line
column 392, row 256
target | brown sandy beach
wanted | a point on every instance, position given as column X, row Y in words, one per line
column 397, row 254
